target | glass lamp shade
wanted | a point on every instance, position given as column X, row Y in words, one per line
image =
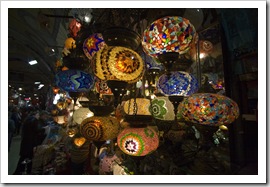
column 162, row 109
column 74, row 80
column 98, row 128
column 142, row 106
column 106, row 164
column 60, row 119
column 93, row 44
column 206, row 46
column 178, row 83
column 102, row 87
column 168, row 34
column 209, row 109
column 151, row 62
column 74, row 27
column 138, row 141
column 81, row 114
column 118, row 63
column 70, row 43
column 79, row 141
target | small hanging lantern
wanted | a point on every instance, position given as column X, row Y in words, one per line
column 93, row 44
column 209, row 109
column 168, row 34
column 138, row 141
column 98, row 128
column 74, row 27
column 178, row 83
column 79, row 141
column 118, row 63
column 70, row 43
column 74, row 80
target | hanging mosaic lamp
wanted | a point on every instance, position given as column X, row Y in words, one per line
column 162, row 109
column 102, row 87
column 93, row 44
column 80, row 114
column 98, row 128
column 137, row 141
column 141, row 106
column 209, row 109
column 118, row 63
column 168, row 34
column 151, row 62
column 74, row 80
column 74, row 27
column 178, row 83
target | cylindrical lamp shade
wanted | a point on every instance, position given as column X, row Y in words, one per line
column 178, row 83
column 138, row 141
column 81, row 114
column 98, row 128
column 142, row 106
column 209, row 109
column 74, row 80
column 168, row 34
column 162, row 109
column 93, row 44
column 118, row 63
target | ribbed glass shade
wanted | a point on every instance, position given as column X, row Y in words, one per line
column 118, row 63
column 178, row 83
column 93, row 44
column 209, row 109
column 138, row 141
column 98, row 128
column 74, row 80
column 168, row 34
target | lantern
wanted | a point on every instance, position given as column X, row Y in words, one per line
column 98, row 128
column 138, row 141
column 79, row 141
column 93, row 44
column 162, row 109
column 61, row 119
column 102, row 87
column 70, row 43
column 74, row 80
column 81, row 114
column 209, row 109
column 140, row 106
column 118, row 63
column 168, row 34
column 178, row 83
column 74, row 27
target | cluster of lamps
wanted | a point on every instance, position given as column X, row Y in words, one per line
column 112, row 68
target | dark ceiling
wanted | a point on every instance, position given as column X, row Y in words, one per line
column 34, row 32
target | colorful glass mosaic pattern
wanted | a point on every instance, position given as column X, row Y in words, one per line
column 138, row 141
column 162, row 108
column 118, row 63
column 93, row 44
column 178, row 83
column 151, row 62
column 168, row 34
column 74, row 80
column 99, row 128
column 209, row 109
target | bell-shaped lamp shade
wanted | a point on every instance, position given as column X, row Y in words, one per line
column 93, row 44
column 81, row 114
column 74, row 80
column 98, row 128
column 118, row 63
column 178, row 83
column 138, row 141
column 162, row 109
column 140, row 107
column 168, row 34
column 209, row 109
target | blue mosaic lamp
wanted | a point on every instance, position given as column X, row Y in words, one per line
column 74, row 80
column 178, row 83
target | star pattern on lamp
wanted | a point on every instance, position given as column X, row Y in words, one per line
column 92, row 44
